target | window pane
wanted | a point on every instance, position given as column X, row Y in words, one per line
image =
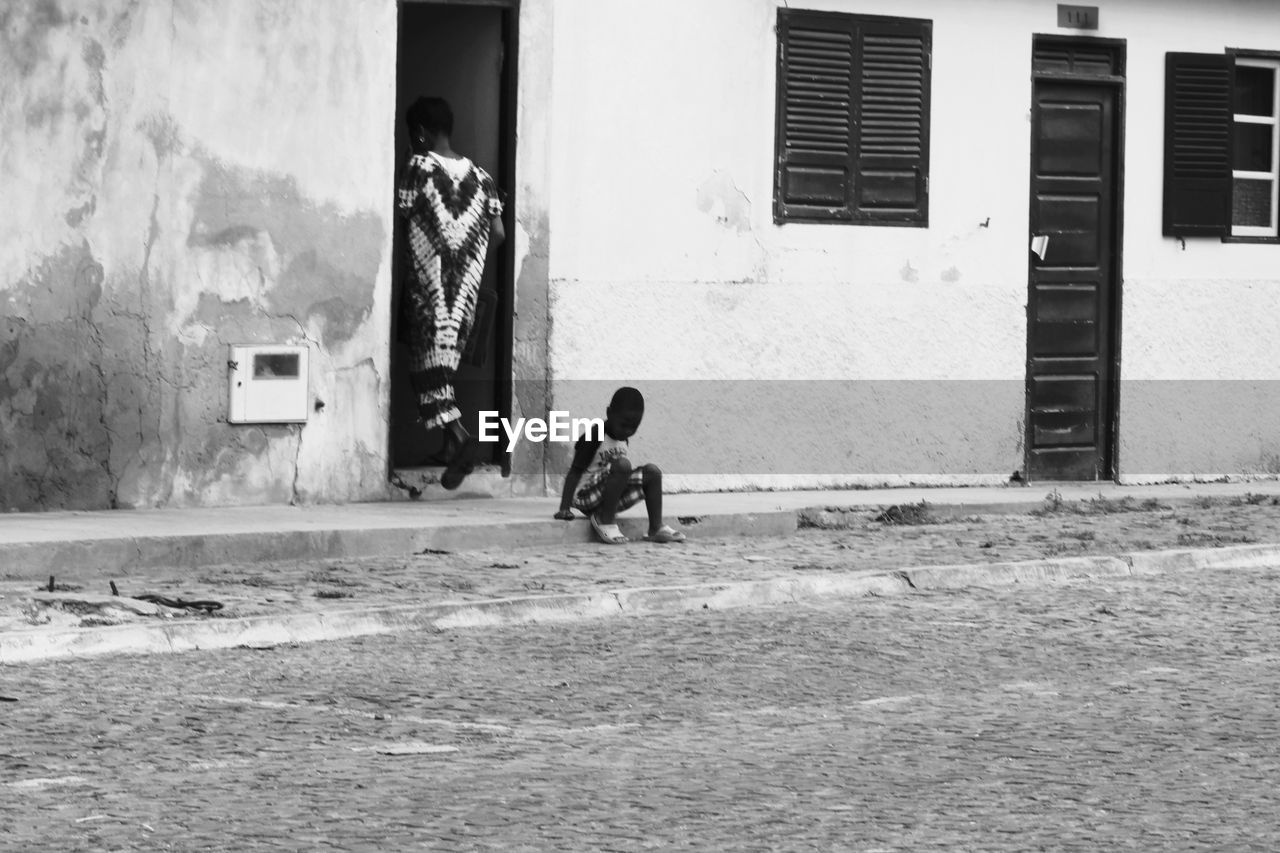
column 1251, row 203
column 1253, row 147
column 1255, row 90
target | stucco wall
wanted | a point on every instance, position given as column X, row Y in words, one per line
column 1199, row 396
column 668, row 266
column 183, row 174
column 180, row 175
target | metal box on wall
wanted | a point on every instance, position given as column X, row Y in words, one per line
column 268, row 384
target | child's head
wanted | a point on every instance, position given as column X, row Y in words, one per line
column 625, row 412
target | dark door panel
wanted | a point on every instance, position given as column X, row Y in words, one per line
column 455, row 51
column 1066, row 322
column 1066, row 414
column 1072, row 288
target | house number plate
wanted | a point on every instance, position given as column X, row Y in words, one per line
column 1078, row 17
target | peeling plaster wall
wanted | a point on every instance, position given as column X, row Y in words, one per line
column 180, row 175
column 534, row 467
column 818, row 355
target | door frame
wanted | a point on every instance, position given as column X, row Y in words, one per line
column 508, row 116
column 1117, row 49
column 507, row 125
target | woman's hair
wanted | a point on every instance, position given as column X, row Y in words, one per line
column 432, row 115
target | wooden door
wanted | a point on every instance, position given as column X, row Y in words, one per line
column 1073, row 287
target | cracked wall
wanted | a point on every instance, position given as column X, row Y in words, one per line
column 533, row 465
column 181, row 175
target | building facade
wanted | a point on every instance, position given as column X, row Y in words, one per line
column 806, row 231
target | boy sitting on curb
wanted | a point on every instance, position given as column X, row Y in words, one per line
column 609, row 483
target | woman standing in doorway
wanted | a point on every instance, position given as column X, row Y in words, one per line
column 454, row 214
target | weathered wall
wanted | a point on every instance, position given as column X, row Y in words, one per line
column 532, row 234
column 180, row 175
column 183, row 174
column 866, row 354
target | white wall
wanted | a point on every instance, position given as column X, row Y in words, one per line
column 668, row 266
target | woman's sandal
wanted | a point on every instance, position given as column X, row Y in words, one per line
column 462, row 464
column 609, row 534
column 664, row 535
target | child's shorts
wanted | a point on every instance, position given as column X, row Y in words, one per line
column 589, row 494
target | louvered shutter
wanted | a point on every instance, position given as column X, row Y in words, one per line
column 815, row 117
column 1197, row 144
column 892, row 166
column 853, row 119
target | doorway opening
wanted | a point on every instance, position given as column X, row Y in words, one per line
column 465, row 53
column 1074, row 264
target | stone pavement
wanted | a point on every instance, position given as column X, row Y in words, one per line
column 839, row 550
column 1095, row 715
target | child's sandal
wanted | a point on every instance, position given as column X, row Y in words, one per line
column 665, row 534
column 609, row 534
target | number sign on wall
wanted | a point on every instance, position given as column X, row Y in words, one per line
column 1078, row 17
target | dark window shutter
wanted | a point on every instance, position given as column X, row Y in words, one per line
column 853, row 118
column 1197, row 144
column 815, row 117
column 892, row 166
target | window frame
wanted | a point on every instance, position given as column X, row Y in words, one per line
column 1254, row 233
column 850, row 213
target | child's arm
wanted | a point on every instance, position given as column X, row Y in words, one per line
column 571, row 481
column 583, row 452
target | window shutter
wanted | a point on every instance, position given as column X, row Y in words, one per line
column 1197, row 144
column 815, row 117
column 892, row 166
column 853, row 118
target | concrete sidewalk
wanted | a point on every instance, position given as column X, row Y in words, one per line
column 36, row 545
column 285, row 575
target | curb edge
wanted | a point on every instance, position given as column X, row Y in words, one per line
column 266, row 631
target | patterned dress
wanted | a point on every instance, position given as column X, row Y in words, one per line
column 448, row 204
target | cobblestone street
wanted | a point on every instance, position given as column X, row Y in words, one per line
column 1133, row 713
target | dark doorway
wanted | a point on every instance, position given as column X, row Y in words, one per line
column 1073, row 289
column 459, row 52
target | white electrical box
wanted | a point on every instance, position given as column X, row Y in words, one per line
column 268, row 384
